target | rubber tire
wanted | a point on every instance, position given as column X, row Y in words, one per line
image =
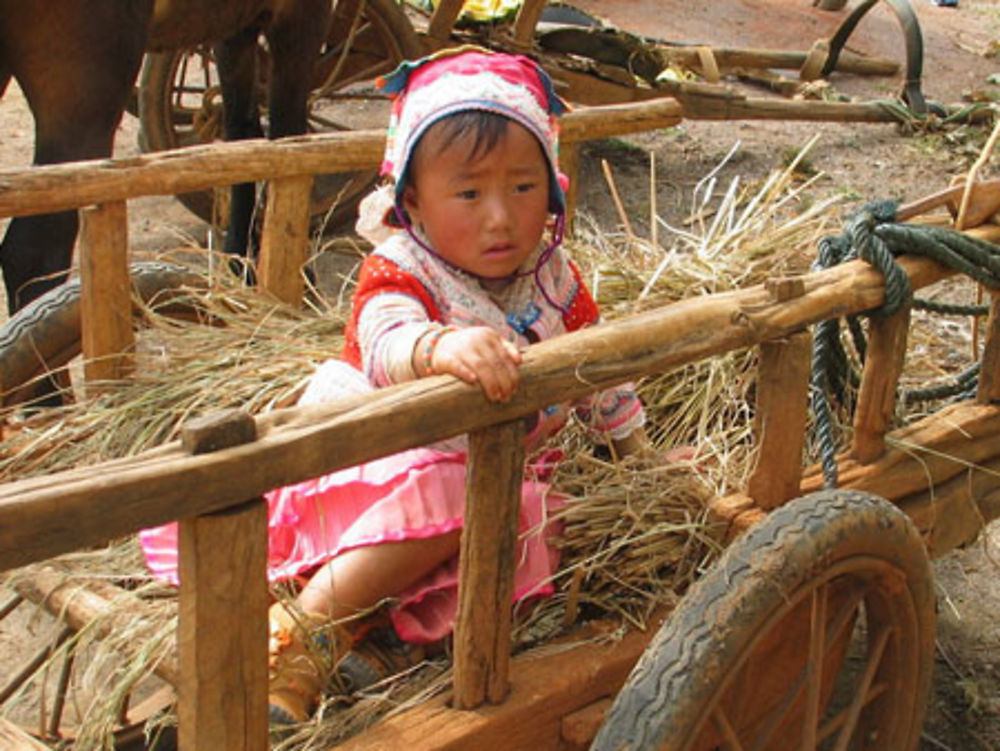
column 156, row 82
column 45, row 334
column 668, row 698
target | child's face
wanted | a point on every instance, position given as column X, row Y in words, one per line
column 484, row 214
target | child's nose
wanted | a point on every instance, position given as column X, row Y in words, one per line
column 498, row 212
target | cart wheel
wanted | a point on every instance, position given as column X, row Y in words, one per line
column 44, row 336
column 53, row 679
column 180, row 102
column 815, row 630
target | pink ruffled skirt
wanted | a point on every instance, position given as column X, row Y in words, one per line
column 413, row 494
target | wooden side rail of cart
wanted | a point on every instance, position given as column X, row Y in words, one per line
column 215, row 495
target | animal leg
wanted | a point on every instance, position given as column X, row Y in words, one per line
column 236, row 59
column 77, row 88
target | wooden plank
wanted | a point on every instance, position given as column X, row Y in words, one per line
column 42, row 517
column 932, row 450
column 486, row 564
column 989, row 374
column 284, row 241
column 956, row 511
column 222, row 632
column 782, row 407
column 887, row 337
column 57, row 187
column 544, row 689
column 105, row 293
column 578, row 729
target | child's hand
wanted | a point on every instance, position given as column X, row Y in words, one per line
column 479, row 355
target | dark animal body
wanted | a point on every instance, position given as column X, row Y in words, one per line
column 76, row 62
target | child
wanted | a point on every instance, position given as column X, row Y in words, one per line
column 468, row 272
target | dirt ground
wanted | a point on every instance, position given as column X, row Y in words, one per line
column 860, row 161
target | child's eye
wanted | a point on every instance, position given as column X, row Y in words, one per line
column 525, row 187
column 468, row 195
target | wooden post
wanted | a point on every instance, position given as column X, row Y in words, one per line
column 222, row 631
column 879, row 380
column 782, row 406
column 107, row 338
column 284, row 242
column 989, row 372
column 222, row 634
column 486, row 564
column 524, row 25
column 443, row 20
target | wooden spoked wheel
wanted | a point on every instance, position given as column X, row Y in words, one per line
column 814, row 631
column 46, row 692
column 180, row 100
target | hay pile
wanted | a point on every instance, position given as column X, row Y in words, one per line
column 634, row 534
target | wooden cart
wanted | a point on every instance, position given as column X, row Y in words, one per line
column 756, row 655
column 179, row 103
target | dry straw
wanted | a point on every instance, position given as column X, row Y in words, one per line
column 634, row 534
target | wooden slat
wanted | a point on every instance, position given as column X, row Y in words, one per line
column 222, row 634
column 879, row 381
column 989, row 374
column 284, row 241
column 43, row 517
column 105, row 293
column 782, row 406
column 487, row 563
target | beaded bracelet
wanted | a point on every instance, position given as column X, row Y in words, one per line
column 430, row 343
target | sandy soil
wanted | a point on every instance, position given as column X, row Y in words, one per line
column 861, row 161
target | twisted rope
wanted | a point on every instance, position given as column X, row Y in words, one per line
column 873, row 235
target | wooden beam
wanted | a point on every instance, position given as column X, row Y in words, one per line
column 487, row 563
column 222, row 633
column 284, row 241
column 544, row 689
column 57, row 187
column 887, row 336
column 105, row 293
column 42, row 517
column 929, row 451
column 782, row 410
